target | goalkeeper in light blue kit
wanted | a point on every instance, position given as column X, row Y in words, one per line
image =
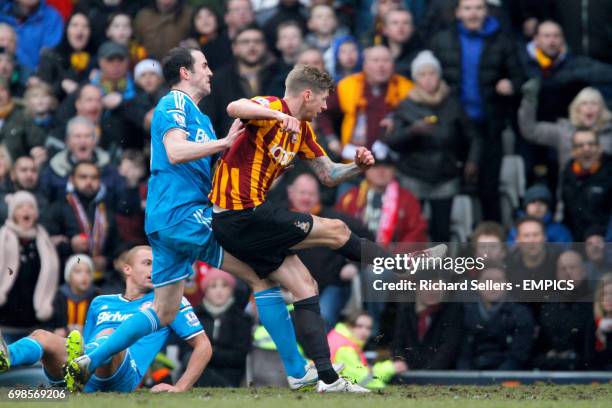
column 178, row 223
column 124, row 371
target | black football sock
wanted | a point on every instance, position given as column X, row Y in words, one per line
column 352, row 249
column 310, row 328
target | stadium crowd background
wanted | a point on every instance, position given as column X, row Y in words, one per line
column 504, row 118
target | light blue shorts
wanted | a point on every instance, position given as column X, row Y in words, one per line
column 127, row 378
column 176, row 248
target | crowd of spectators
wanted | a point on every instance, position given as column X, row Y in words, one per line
column 442, row 91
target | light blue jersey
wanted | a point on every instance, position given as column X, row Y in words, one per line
column 110, row 311
column 177, row 190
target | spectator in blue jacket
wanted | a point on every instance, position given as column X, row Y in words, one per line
column 38, row 26
column 537, row 203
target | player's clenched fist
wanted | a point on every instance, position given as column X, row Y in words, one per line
column 364, row 158
column 288, row 123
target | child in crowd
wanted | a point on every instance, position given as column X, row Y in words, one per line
column 40, row 105
column 75, row 295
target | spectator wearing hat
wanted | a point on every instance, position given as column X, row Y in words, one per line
column 586, row 184
column 390, row 212
column 150, row 84
column 38, row 26
column 538, row 203
column 118, row 88
column 29, row 268
column 74, row 296
column 229, row 330
column 436, row 143
column 70, row 63
column 162, row 26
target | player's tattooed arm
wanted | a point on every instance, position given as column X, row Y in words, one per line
column 331, row 174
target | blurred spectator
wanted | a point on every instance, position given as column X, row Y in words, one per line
column 531, row 258
column 6, row 163
column 428, row 333
column 563, row 325
column 484, row 85
column 74, row 296
column 252, row 73
column 587, row 26
column 150, row 81
column 499, row 334
column 488, row 240
column 346, row 343
column 362, row 101
column 118, row 88
column 600, row 336
column 400, row 36
column 312, row 57
column 70, row 63
column 588, row 110
column 162, row 26
column 9, row 66
column 429, row 130
column 120, row 31
column 84, row 222
column 586, row 184
column 289, row 43
column 371, row 31
column 80, row 145
column 538, row 203
column 323, row 27
column 595, row 250
column 17, row 132
column 331, row 270
column 38, row 26
column 206, row 34
column 286, row 10
column 40, row 105
column 24, row 176
column 346, row 57
column 390, row 212
column 130, row 212
column 229, row 330
column 562, row 73
column 29, row 269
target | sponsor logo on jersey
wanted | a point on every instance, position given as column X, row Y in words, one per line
column 281, row 156
column 192, row 319
column 112, row 317
column 180, row 119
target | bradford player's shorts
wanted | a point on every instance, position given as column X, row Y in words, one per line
column 261, row 236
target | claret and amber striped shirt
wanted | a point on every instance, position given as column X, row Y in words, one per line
column 247, row 169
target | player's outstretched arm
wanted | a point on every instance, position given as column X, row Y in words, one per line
column 181, row 150
column 246, row 109
column 331, row 174
column 202, row 352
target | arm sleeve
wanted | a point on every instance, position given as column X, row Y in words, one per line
column 54, row 29
column 270, row 102
column 172, row 115
column 186, row 324
column 310, row 148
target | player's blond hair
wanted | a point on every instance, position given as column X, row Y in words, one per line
column 304, row 77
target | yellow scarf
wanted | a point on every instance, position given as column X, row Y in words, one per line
column 79, row 60
column 352, row 101
column 544, row 60
column 6, row 110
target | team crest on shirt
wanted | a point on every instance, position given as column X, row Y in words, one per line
column 146, row 305
column 180, row 119
column 304, row 226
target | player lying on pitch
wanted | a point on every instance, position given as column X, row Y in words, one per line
column 123, row 372
column 263, row 234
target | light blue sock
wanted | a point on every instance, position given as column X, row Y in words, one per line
column 24, row 352
column 141, row 324
column 274, row 316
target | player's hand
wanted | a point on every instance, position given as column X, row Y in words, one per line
column 163, row 387
column 504, row 87
column 364, row 158
column 236, row 130
column 289, row 123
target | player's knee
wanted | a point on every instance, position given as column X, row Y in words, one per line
column 341, row 232
column 39, row 335
column 105, row 332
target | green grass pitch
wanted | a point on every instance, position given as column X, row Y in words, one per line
column 540, row 395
